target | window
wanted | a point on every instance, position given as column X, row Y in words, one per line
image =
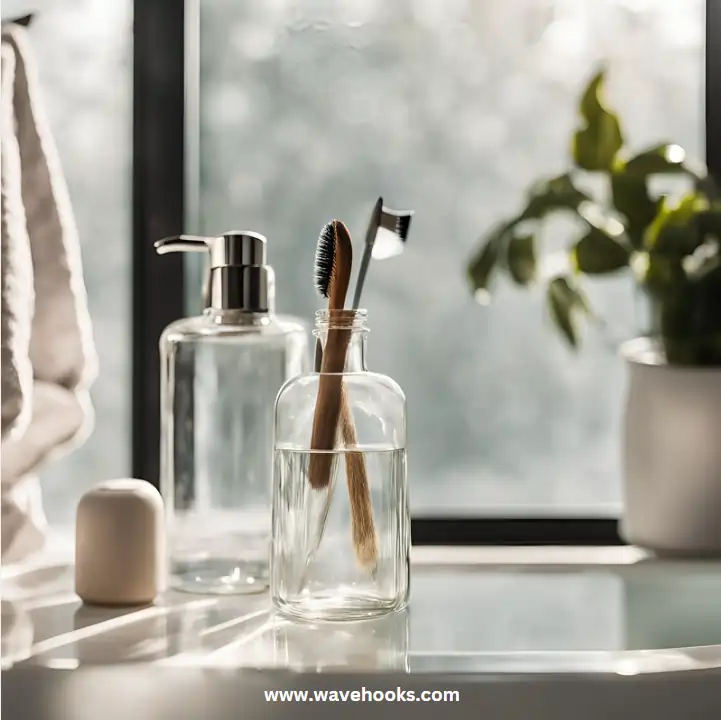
column 452, row 109
column 294, row 114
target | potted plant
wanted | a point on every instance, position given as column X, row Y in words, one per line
column 670, row 244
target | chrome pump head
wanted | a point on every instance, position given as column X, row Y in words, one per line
column 239, row 277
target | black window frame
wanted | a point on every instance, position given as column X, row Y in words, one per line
column 161, row 69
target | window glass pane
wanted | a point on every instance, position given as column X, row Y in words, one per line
column 309, row 110
column 84, row 56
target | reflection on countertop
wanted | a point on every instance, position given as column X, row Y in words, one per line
column 618, row 612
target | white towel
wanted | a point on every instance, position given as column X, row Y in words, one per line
column 48, row 355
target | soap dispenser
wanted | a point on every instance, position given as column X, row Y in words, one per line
column 220, row 374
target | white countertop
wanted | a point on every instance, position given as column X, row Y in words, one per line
column 522, row 614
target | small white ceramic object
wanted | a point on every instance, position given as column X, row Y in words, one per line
column 120, row 544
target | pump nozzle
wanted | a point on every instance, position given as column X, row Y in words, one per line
column 239, row 277
column 182, row 243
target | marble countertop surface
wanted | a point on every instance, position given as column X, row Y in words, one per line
column 538, row 615
column 610, row 610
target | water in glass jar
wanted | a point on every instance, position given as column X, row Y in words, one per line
column 315, row 573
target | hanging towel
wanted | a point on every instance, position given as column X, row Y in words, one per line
column 48, row 355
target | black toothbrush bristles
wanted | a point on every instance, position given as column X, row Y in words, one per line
column 325, row 259
column 403, row 223
column 396, row 221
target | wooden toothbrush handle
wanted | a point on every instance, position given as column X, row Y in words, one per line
column 327, row 408
column 365, row 542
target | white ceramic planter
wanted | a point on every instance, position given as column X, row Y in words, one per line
column 672, row 455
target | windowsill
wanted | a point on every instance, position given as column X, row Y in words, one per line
column 503, row 556
column 62, row 544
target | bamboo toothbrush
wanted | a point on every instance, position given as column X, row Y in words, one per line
column 332, row 274
column 386, row 236
column 333, row 263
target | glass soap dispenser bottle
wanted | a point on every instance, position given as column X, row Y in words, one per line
column 340, row 548
column 220, row 374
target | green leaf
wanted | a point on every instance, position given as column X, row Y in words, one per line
column 597, row 253
column 521, row 258
column 664, row 159
column 484, row 263
column 678, row 241
column 597, row 143
column 703, row 261
column 566, row 302
column 601, row 219
column 630, row 190
column 558, row 193
column 631, row 199
column 675, row 230
column 690, row 322
column 664, row 276
column 710, row 222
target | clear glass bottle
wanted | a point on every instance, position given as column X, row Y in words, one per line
column 317, row 571
column 220, row 375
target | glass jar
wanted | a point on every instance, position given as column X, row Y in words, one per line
column 340, row 550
